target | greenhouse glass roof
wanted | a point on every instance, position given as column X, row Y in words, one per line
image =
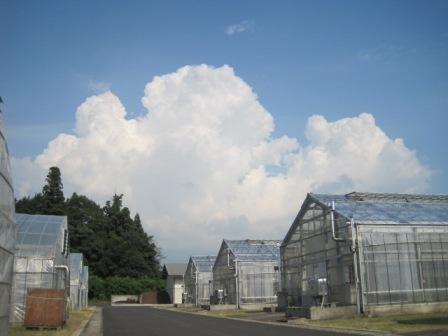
column 204, row 263
column 39, row 235
column 373, row 208
column 176, row 268
column 255, row 250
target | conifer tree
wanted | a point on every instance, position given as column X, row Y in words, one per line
column 52, row 193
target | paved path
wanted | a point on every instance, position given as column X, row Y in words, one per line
column 95, row 325
column 147, row 321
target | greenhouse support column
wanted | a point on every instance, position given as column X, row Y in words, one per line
column 197, row 288
column 237, row 284
column 355, row 266
column 280, row 270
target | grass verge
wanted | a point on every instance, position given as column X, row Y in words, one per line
column 394, row 324
column 73, row 323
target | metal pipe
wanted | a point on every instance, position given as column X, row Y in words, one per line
column 280, row 269
column 355, row 267
column 197, row 287
column 333, row 226
column 237, row 284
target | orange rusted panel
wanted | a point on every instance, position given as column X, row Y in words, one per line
column 45, row 308
column 149, row 298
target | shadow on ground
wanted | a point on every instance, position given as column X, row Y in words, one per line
column 440, row 321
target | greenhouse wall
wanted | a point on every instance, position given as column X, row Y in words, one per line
column 85, row 288
column 247, row 271
column 76, row 272
column 198, row 280
column 7, row 231
column 403, row 265
column 41, row 258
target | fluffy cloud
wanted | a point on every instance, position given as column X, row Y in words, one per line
column 203, row 164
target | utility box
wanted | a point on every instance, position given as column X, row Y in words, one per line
column 318, row 287
column 45, row 308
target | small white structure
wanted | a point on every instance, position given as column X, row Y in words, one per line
column 198, row 280
column 175, row 281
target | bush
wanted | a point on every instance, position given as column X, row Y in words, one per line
column 103, row 288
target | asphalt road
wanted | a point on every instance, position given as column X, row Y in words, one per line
column 146, row 321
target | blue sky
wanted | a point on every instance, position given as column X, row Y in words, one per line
column 331, row 58
column 334, row 58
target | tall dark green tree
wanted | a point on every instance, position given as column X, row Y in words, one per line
column 132, row 252
column 52, row 192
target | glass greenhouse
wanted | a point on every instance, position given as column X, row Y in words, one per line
column 367, row 250
column 247, row 272
column 41, row 257
column 198, row 280
column 85, row 287
column 7, row 230
column 76, row 278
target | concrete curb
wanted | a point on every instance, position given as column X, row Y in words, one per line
column 140, row 305
column 299, row 326
column 83, row 326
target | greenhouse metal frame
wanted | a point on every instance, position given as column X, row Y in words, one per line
column 7, row 231
column 247, row 272
column 41, row 258
column 198, row 280
column 368, row 250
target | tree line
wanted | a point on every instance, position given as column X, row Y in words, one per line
column 114, row 244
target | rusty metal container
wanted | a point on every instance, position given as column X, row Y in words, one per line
column 149, row 298
column 45, row 308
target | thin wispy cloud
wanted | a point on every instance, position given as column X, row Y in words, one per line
column 385, row 53
column 241, row 27
column 99, row 87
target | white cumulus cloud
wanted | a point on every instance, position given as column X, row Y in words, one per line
column 203, row 163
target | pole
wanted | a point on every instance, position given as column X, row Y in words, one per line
column 237, row 284
column 355, row 267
